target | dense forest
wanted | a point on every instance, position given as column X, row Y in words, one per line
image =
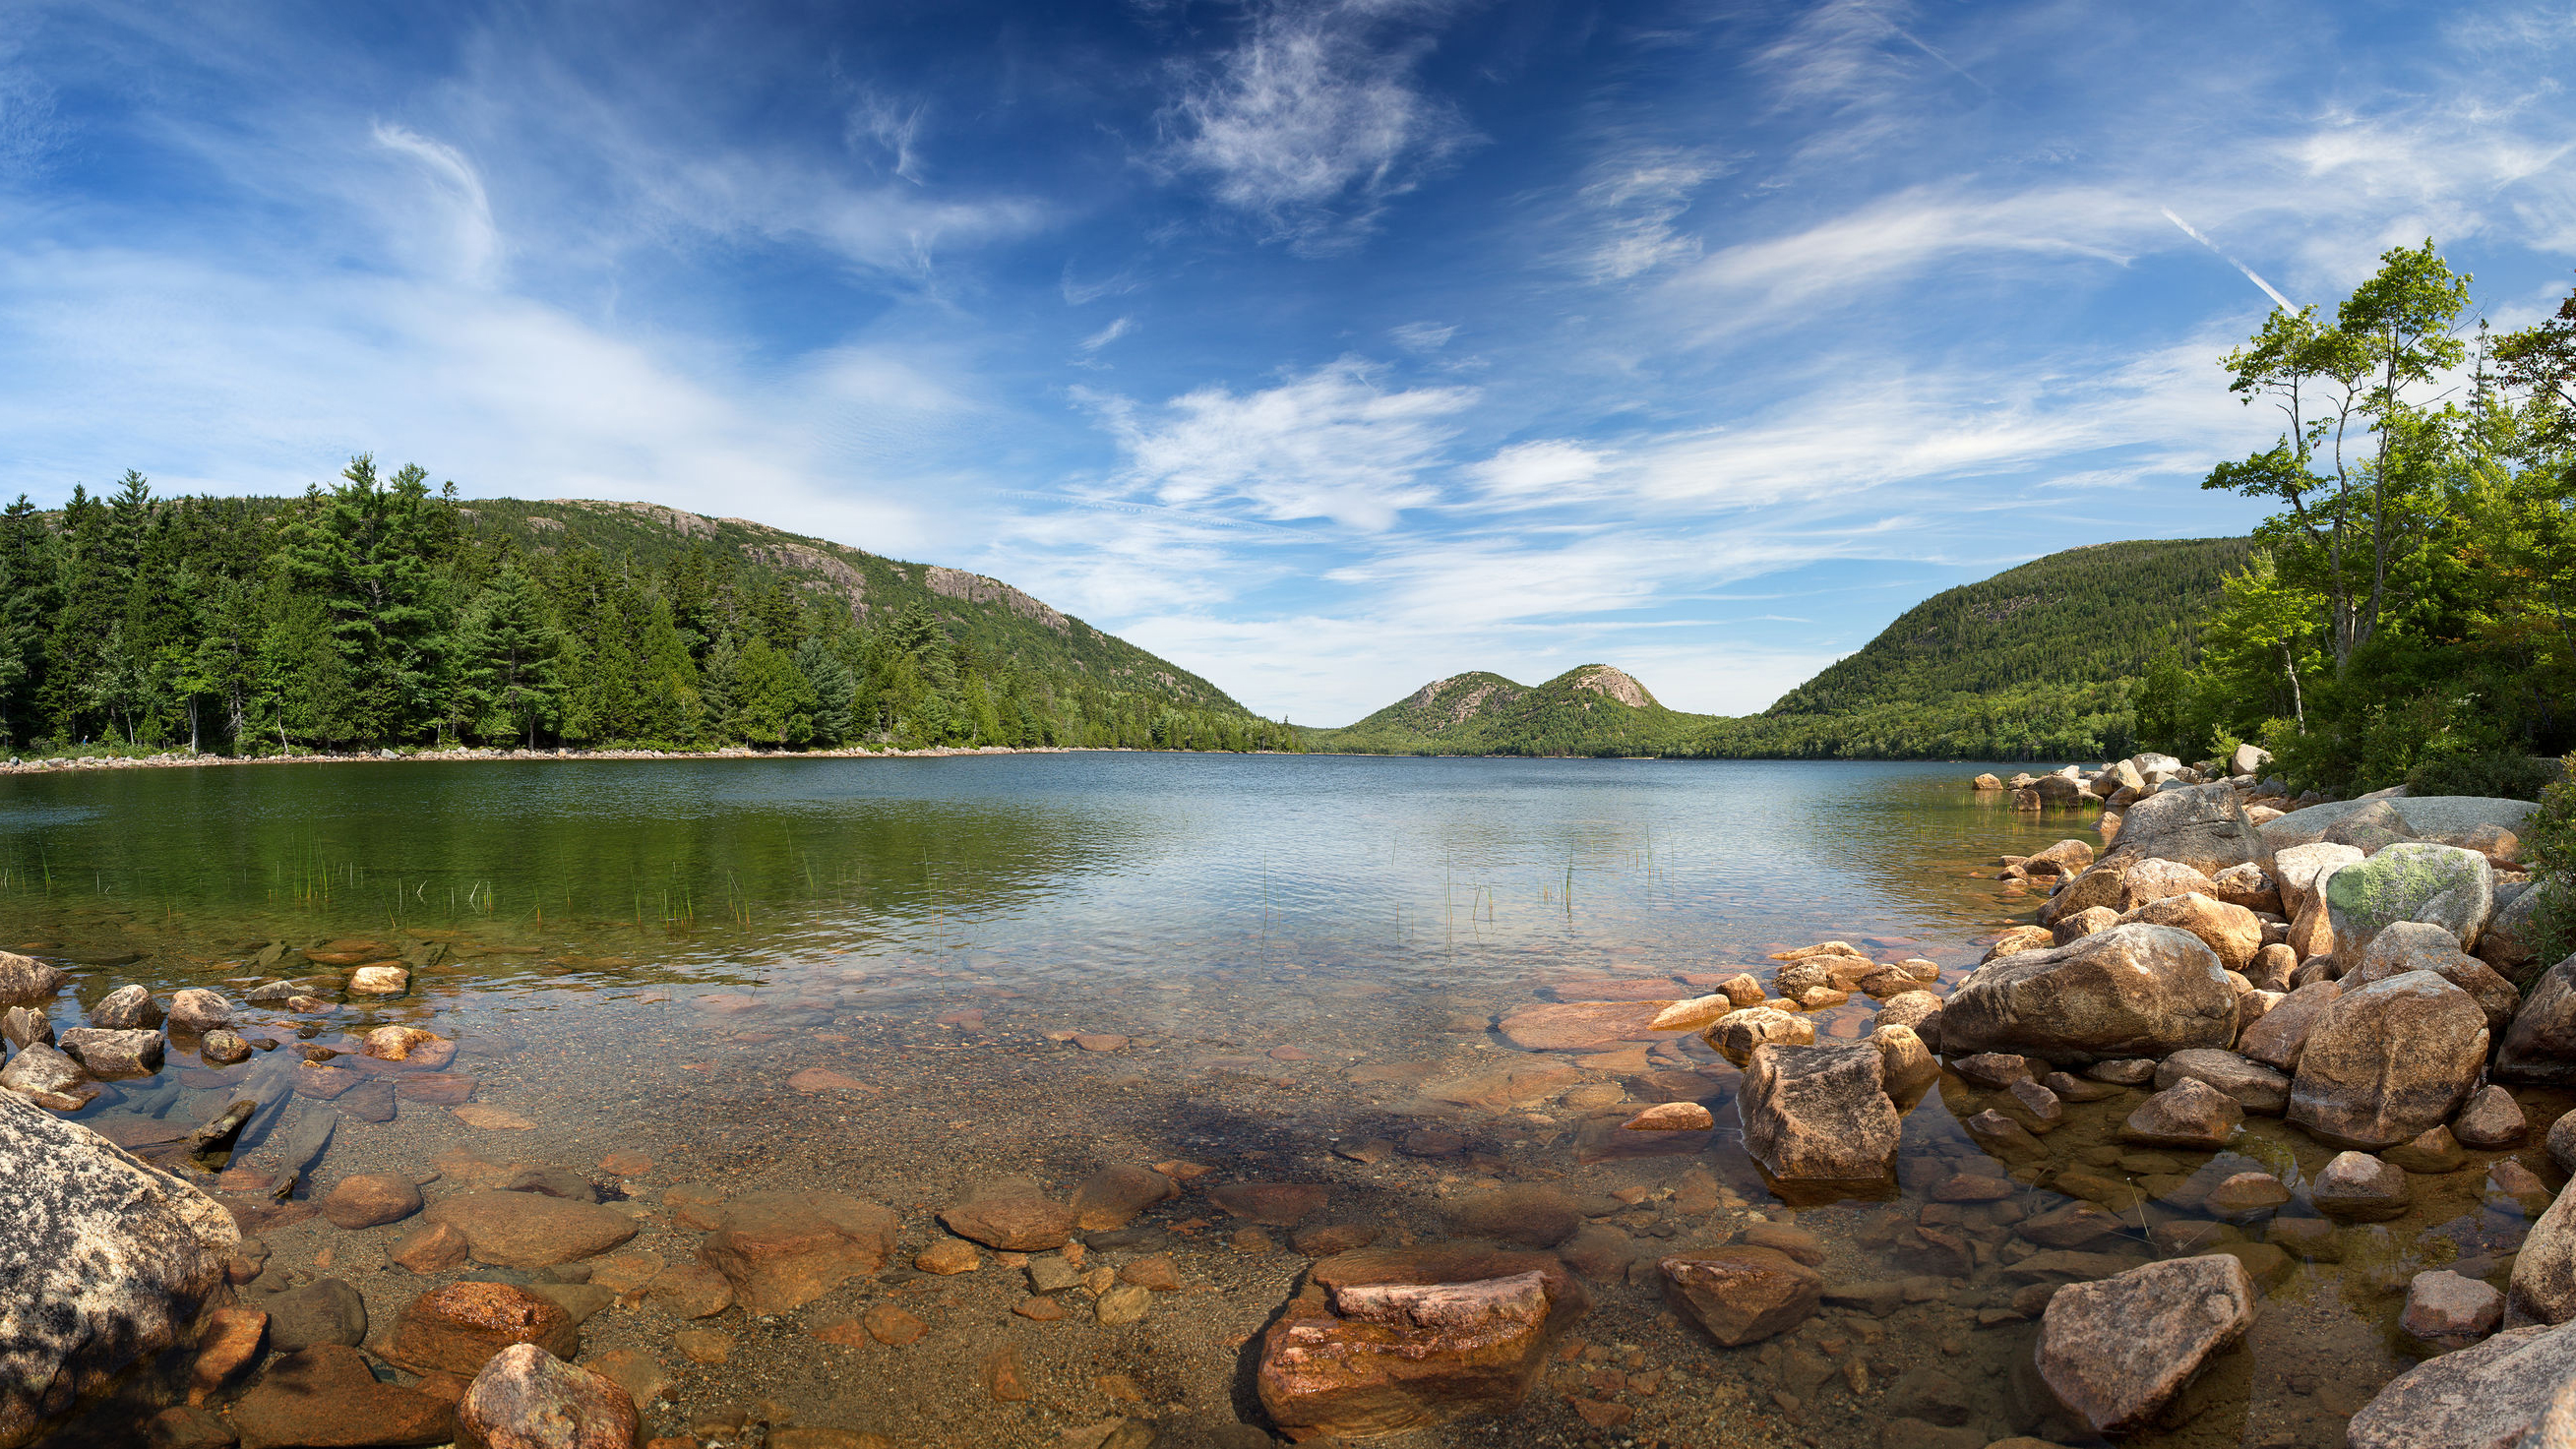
column 2040, row 662
column 379, row 613
column 2407, row 614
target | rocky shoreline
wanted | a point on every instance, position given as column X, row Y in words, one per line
column 2341, row 976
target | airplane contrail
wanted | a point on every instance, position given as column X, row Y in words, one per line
column 2194, row 233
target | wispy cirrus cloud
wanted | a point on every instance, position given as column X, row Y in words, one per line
column 1316, row 120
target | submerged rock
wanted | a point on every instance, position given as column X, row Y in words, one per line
column 327, row 1395
column 1819, row 1113
column 783, row 1250
column 2389, row 1060
column 104, row 1262
column 526, row 1398
column 1388, row 1341
column 1112, row 1197
column 530, row 1230
column 1744, row 1294
column 2116, row 1351
column 2131, row 991
column 457, row 1329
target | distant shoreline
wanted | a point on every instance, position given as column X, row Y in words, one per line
column 183, row 760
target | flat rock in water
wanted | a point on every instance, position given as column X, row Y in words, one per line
column 1112, row 1197
column 1648, row 988
column 1581, row 1026
column 1735, row 1035
column 2255, row 1086
column 457, row 1329
column 106, row 1260
column 530, row 1230
column 1276, row 1204
column 1012, row 1214
column 1744, row 1294
column 2115, row 1352
column 1386, row 1358
column 326, row 1395
column 1517, row 1085
column 327, row 1311
column 783, row 1250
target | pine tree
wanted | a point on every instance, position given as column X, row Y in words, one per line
column 506, row 674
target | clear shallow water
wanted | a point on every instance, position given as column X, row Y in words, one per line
column 636, row 956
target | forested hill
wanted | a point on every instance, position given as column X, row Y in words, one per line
column 378, row 613
column 2040, row 661
column 1590, row 710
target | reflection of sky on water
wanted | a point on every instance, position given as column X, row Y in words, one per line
column 1147, row 863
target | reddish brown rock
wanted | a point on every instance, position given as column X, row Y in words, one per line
column 1582, row 1026
column 1744, row 1294
column 1278, row 1204
column 892, row 1326
column 530, row 1229
column 1112, row 1197
column 370, row 1199
column 690, row 1290
column 1532, row 1214
column 433, row 1249
column 2117, row 1351
column 1011, row 1214
column 457, row 1329
column 325, row 1397
column 1516, row 1085
column 228, row 1345
column 1362, row 1360
column 783, row 1250
column 526, row 1398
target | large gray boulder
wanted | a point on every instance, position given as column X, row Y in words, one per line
column 1819, row 1113
column 2457, row 819
column 2421, row 946
column 2117, row 1350
column 2202, row 826
column 2130, row 991
column 46, row 1077
column 2491, row 1395
column 112, row 1054
column 2411, row 881
column 2388, row 1061
column 105, row 1261
column 2540, row 1046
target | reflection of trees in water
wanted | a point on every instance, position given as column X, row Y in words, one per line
column 505, row 850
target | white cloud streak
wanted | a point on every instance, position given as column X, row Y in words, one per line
column 1315, row 121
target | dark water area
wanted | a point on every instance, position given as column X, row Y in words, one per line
column 1269, row 967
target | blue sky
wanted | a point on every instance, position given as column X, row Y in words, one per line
column 1324, row 347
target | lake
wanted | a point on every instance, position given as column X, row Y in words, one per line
column 1267, row 967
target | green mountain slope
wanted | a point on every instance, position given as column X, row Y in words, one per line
column 987, row 616
column 1590, row 710
column 2040, row 661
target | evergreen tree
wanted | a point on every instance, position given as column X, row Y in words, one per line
column 506, row 676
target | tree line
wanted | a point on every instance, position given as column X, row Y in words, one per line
column 375, row 613
column 2407, row 614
